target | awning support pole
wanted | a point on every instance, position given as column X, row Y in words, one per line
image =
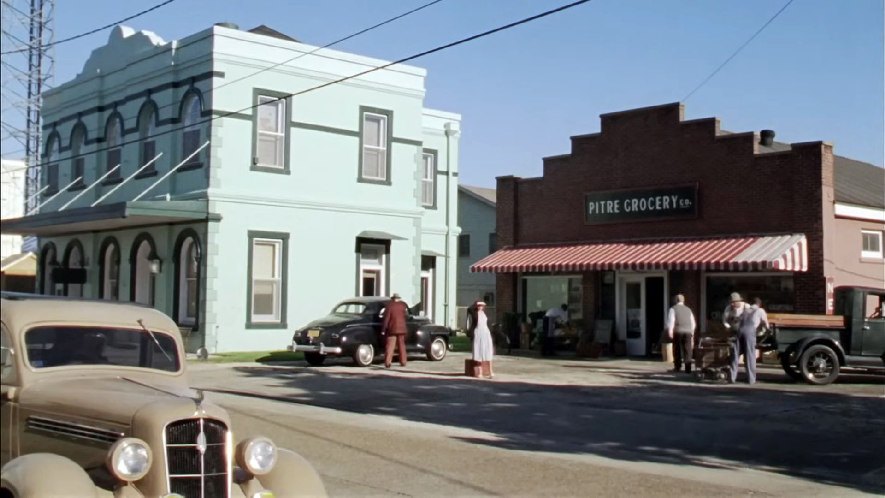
column 35, row 194
column 47, row 201
column 139, row 170
column 96, row 182
column 173, row 170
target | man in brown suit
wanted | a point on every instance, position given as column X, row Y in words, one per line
column 394, row 329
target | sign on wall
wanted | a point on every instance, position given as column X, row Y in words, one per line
column 612, row 206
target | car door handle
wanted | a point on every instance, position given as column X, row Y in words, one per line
column 865, row 327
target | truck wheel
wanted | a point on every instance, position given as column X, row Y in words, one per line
column 437, row 349
column 819, row 365
column 791, row 369
column 364, row 355
column 314, row 359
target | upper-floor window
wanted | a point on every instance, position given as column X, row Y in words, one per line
column 464, row 245
column 78, row 170
column 114, row 145
column 51, row 168
column 374, row 144
column 147, row 128
column 493, row 242
column 428, row 179
column 270, row 133
column 872, row 244
column 190, row 119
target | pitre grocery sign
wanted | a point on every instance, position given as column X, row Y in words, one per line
column 640, row 205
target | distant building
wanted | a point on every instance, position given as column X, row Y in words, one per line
column 655, row 205
column 476, row 218
column 294, row 203
column 17, row 267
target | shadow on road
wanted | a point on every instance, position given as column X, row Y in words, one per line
column 825, row 437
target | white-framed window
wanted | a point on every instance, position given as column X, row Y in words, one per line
column 428, row 179
column 75, row 260
column 114, row 144
column 267, row 280
column 871, row 241
column 372, row 269
column 147, row 128
column 374, row 140
column 78, row 140
column 111, row 272
column 270, row 132
column 190, row 118
column 188, row 272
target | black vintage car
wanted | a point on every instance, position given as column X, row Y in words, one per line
column 353, row 328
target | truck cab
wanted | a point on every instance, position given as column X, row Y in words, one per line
column 815, row 348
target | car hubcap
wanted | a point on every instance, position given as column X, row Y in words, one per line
column 437, row 349
column 819, row 366
column 365, row 354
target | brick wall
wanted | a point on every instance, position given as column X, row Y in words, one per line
column 739, row 190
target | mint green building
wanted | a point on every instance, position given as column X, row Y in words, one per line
column 279, row 190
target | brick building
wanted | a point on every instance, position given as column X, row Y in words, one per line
column 654, row 205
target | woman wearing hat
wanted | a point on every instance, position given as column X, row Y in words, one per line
column 483, row 348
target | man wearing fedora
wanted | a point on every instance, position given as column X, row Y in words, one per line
column 394, row 329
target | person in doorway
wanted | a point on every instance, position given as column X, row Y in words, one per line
column 681, row 325
column 394, row 329
column 554, row 320
column 745, row 343
column 483, row 347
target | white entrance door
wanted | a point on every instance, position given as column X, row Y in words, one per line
column 631, row 314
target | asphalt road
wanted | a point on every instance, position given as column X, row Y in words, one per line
column 565, row 427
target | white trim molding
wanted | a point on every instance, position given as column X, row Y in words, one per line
column 859, row 212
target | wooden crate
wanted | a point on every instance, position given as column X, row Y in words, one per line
column 807, row 321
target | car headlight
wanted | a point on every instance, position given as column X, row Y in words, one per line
column 129, row 459
column 256, row 455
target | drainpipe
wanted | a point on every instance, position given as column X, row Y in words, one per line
column 450, row 132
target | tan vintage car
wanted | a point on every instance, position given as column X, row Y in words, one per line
column 96, row 402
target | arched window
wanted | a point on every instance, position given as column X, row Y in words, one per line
column 75, row 275
column 51, row 164
column 190, row 118
column 144, row 266
column 110, row 271
column 78, row 170
column 48, row 262
column 147, row 128
column 188, row 281
column 114, row 143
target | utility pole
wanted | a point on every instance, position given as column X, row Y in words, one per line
column 26, row 67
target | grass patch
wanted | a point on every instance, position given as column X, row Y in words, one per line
column 461, row 344
column 255, row 357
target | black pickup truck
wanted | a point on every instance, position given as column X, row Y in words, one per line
column 815, row 348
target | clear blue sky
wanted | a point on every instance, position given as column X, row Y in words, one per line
column 815, row 73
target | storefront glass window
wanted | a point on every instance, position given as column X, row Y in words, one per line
column 776, row 291
column 543, row 293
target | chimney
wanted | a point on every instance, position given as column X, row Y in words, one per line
column 766, row 137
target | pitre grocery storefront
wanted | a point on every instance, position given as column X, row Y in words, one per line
column 654, row 205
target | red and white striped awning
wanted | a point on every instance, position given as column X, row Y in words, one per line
column 776, row 252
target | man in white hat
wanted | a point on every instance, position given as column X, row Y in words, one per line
column 731, row 319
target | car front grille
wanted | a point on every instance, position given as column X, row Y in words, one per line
column 196, row 458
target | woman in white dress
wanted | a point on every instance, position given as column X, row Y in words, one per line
column 483, row 348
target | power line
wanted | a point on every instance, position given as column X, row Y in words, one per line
column 732, row 56
column 334, row 82
column 96, row 30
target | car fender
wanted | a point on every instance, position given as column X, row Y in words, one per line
column 352, row 337
column 433, row 330
column 797, row 348
column 28, row 476
column 293, row 475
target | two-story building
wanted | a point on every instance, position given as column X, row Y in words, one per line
column 654, row 205
column 244, row 182
column 476, row 219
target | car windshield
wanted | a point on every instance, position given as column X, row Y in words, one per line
column 350, row 309
column 59, row 346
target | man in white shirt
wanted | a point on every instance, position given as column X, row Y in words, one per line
column 745, row 343
column 554, row 319
column 681, row 325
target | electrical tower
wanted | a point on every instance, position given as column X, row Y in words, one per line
column 26, row 68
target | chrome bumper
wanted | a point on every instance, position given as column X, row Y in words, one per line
column 313, row 348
